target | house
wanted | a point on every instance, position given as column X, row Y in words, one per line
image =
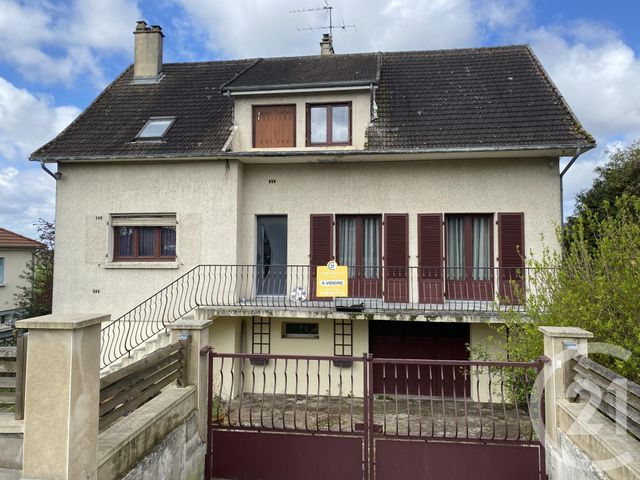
column 16, row 257
column 221, row 186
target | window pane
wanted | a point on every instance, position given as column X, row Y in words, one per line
column 301, row 330
column 340, row 124
column 318, row 124
column 371, row 247
column 125, row 241
column 146, row 241
column 168, row 241
column 1, row 270
column 480, row 255
column 347, row 243
column 455, row 248
column 155, row 128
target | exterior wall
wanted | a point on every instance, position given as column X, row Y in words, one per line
column 360, row 117
column 204, row 197
column 15, row 263
column 446, row 186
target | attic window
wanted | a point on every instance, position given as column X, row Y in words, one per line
column 155, row 128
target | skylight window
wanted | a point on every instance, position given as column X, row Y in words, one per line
column 156, row 127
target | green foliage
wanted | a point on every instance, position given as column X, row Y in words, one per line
column 34, row 296
column 595, row 285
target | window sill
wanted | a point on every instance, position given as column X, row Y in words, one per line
column 142, row 265
column 3, row 285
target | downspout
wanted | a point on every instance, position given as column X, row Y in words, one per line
column 56, row 176
column 565, row 170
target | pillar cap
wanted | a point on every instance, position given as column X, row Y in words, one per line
column 566, row 332
column 190, row 324
column 63, row 321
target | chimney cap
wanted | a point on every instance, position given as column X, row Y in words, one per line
column 326, row 44
column 143, row 27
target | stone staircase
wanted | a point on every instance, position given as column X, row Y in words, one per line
column 160, row 340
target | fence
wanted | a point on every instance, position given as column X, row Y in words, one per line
column 411, row 290
column 128, row 388
column 613, row 395
column 12, row 375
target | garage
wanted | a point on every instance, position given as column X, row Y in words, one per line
column 420, row 340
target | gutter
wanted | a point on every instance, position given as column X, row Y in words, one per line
column 579, row 151
column 56, row 176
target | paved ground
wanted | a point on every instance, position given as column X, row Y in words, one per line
column 402, row 416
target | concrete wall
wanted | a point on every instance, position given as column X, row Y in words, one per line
column 360, row 117
column 15, row 264
column 216, row 207
column 451, row 186
column 565, row 461
column 202, row 195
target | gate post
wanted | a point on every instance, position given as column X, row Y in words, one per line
column 61, row 396
column 560, row 345
column 198, row 372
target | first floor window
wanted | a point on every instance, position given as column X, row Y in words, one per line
column 137, row 238
column 468, row 247
column 359, row 245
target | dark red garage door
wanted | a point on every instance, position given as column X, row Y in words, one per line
column 419, row 340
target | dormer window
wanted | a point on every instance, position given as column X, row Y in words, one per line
column 155, row 128
column 328, row 124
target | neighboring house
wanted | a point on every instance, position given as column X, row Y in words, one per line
column 16, row 256
column 429, row 173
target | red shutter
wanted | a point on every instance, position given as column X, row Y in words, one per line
column 396, row 257
column 321, row 246
column 511, row 255
column 321, row 251
column 430, row 258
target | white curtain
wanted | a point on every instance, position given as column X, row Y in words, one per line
column 481, row 249
column 455, row 248
column 371, row 247
column 347, row 243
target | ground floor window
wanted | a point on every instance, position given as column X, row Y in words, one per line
column 343, row 337
column 300, row 330
column 261, row 335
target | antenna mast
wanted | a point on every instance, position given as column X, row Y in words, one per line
column 328, row 9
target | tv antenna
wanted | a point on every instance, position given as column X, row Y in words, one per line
column 328, row 11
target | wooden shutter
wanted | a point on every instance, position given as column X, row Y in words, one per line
column 274, row 126
column 511, row 255
column 430, row 233
column 321, row 250
column 396, row 257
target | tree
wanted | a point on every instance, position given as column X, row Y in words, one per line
column 35, row 295
column 594, row 284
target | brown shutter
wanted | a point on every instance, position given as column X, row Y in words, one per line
column 274, row 126
column 430, row 233
column 396, row 257
column 321, row 251
column 511, row 255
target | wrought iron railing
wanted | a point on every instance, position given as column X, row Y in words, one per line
column 412, row 290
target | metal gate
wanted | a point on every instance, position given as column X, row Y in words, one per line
column 279, row 417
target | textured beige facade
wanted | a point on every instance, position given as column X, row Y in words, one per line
column 15, row 264
column 360, row 117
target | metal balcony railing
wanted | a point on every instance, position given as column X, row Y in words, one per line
column 413, row 290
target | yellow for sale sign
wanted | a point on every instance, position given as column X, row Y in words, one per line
column 332, row 281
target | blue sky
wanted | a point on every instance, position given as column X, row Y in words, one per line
column 56, row 56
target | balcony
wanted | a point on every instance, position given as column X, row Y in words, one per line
column 384, row 292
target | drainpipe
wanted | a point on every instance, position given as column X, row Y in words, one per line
column 579, row 152
column 56, row 175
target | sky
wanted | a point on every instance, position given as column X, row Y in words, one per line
column 57, row 56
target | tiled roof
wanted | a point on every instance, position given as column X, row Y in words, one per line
column 473, row 98
column 11, row 239
column 292, row 72
column 484, row 98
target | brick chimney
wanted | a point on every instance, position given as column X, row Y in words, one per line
column 147, row 58
column 326, row 45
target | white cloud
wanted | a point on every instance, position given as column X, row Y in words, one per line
column 52, row 41
column 27, row 121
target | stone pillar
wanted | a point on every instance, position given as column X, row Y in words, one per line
column 61, row 396
column 560, row 345
column 198, row 364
